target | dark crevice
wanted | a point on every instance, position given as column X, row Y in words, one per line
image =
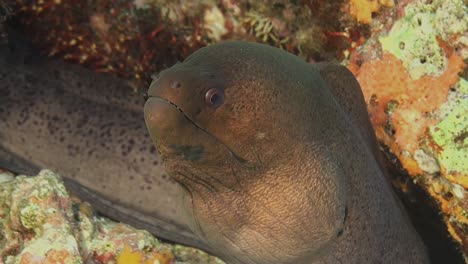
column 424, row 214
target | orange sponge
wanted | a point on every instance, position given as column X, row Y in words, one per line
column 405, row 104
column 362, row 9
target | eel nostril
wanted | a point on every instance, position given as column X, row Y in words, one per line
column 145, row 95
column 155, row 76
column 175, row 84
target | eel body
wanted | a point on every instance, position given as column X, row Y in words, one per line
column 278, row 159
column 90, row 129
column 263, row 157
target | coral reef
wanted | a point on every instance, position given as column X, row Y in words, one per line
column 412, row 78
column 362, row 10
column 417, row 38
column 409, row 57
column 451, row 133
column 136, row 38
column 41, row 223
column 107, row 36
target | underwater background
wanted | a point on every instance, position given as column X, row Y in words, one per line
column 409, row 57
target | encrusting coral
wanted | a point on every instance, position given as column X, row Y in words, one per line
column 412, row 79
column 41, row 223
column 362, row 9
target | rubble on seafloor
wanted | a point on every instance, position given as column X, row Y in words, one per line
column 41, row 223
column 413, row 76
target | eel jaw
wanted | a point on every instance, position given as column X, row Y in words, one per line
column 238, row 158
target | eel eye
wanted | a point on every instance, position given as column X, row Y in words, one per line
column 214, row 97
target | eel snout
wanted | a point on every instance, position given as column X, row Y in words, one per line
column 163, row 119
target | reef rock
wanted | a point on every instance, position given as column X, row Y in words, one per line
column 412, row 71
column 41, row 223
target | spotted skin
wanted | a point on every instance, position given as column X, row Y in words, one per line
column 90, row 129
column 285, row 170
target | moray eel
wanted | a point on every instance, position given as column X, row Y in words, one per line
column 277, row 159
column 267, row 159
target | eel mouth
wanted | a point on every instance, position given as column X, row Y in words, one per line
column 188, row 118
column 183, row 113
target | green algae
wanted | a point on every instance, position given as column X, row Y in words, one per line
column 22, row 202
column 6, row 177
column 413, row 38
column 451, row 134
column 56, row 231
column 6, row 188
column 55, row 240
column 32, row 217
column 192, row 255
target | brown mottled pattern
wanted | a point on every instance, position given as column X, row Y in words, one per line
column 89, row 128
